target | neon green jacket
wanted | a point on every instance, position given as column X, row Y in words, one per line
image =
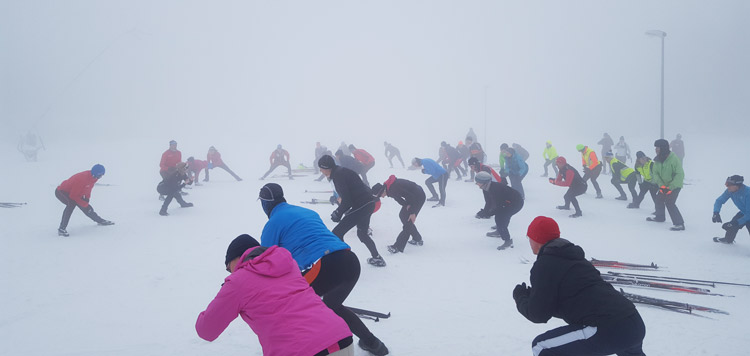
column 618, row 167
column 669, row 172
column 550, row 153
column 645, row 171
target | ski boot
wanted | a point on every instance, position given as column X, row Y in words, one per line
column 563, row 207
column 633, row 206
column 507, row 244
column 622, row 197
column 494, row 233
column 187, row 205
column 576, row 215
column 722, row 240
column 438, row 205
column 393, row 249
column 599, row 196
column 375, row 347
column 105, row 223
column 163, row 212
column 416, row 243
column 62, row 232
column 376, row 261
column 433, row 199
column 654, row 219
column 680, row 227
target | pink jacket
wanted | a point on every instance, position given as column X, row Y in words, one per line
column 271, row 295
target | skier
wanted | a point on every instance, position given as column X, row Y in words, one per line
column 476, row 151
column 668, row 175
column 740, row 194
column 267, row 290
column 355, row 207
column 367, row 160
column 29, row 146
column 516, row 168
column 169, row 158
column 569, row 177
column 279, row 157
column 644, row 166
column 390, row 152
column 601, row 321
column 195, row 166
column 452, row 160
column 319, row 152
column 437, row 174
column 591, row 167
column 521, row 151
column 477, row 167
column 500, row 201
column 350, row 162
column 622, row 150
column 678, row 147
column 606, row 142
column 411, row 197
column 214, row 160
column 326, row 261
column 622, row 174
column 550, row 154
column 76, row 191
column 175, row 179
column 465, row 153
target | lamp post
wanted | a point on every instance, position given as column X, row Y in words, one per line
column 660, row 34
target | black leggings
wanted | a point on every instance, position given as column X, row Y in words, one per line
column 670, row 202
column 70, row 205
column 442, row 181
column 623, row 338
column 630, row 181
column 339, row 272
column 361, row 218
column 571, row 194
column 502, row 219
column 409, row 228
column 593, row 174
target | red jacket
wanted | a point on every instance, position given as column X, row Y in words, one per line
column 197, row 165
column 363, row 156
column 214, row 158
column 279, row 155
column 169, row 159
column 79, row 187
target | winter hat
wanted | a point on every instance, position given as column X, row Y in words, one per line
column 238, row 246
column 351, row 147
column 416, row 161
column 735, row 180
column 543, row 229
column 97, row 170
column 473, row 161
column 173, row 142
column 278, row 147
column 326, row 162
column 579, row 147
column 443, row 144
column 639, row 155
column 377, row 189
column 560, row 161
column 339, row 153
column 271, row 192
column 212, row 148
column 483, row 177
column 503, row 146
column 191, row 159
column 662, row 144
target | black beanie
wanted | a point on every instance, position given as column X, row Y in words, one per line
column 503, row 146
column 735, row 180
column 662, row 144
column 238, row 246
column 271, row 192
column 326, row 162
column 640, row 155
column 377, row 189
column 473, row 161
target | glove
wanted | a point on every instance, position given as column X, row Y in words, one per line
column 210, row 165
column 732, row 225
column 716, row 218
column 520, row 291
column 481, row 214
column 336, row 216
column 332, row 199
column 664, row 190
column 552, row 180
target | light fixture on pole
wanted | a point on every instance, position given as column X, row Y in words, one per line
column 660, row 34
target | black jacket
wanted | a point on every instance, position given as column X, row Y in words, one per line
column 353, row 192
column 172, row 183
column 565, row 285
column 407, row 193
column 501, row 196
column 351, row 163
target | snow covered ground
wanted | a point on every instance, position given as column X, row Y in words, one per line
column 136, row 288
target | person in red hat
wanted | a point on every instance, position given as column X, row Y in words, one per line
column 601, row 321
column 567, row 176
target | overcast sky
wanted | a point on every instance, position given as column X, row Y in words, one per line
column 368, row 71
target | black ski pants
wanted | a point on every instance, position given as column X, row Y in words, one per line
column 502, row 219
column 734, row 228
column 339, row 272
column 631, row 180
column 621, row 338
column 571, row 194
column 226, row 168
column 670, row 202
column 442, row 181
column 173, row 195
column 547, row 163
column 593, row 174
column 273, row 166
column 646, row 187
column 359, row 217
column 70, row 205
column 409, row 229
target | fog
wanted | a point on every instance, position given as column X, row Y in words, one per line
column 246, row 75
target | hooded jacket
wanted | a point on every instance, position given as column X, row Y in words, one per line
column 432, row 168
column 271, row 296
column 550, row 152
column 363, row 156
column 79, row 187
column 619, row 168
column 515, row 165
column 668, row 172
column 500, row 196
column 405, row 193
column 173, row 182
column 353, row 192
column 565, row 285
column 740, row 198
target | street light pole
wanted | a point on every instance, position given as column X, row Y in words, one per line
column 660, row 34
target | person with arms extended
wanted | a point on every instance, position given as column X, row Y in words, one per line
column 437, row 174
column 214, row 160
column 355, row 208
column 390, row 152
column 622, row 174
column 266, row 289
column 601, row 321
column 195, row 166
column 591, row 167
column 569, row 177
column 76, row 191
column 411, row 197
column 326, row 262
column 740, row 195
column 668, row 175
column 550, row 155
column 170, row 187
column 279, row 157
column 500, row 201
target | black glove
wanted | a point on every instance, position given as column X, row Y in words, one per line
column 480, row 214
column 716, row 218
column 552, row 180
column 732, row 225
column 521, row 290
column 332, row 199
column 336, row 216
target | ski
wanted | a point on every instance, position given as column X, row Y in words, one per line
column 676, row 280
column 661, row 279
column 11, row 205
column 369, row 314
column 635, row 282
column 668, row 304
column 624, row 265
column 317, row 201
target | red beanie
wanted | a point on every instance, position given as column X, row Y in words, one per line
column 560, row 161
column 543, row 230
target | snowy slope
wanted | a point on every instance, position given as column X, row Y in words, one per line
column 136, row 288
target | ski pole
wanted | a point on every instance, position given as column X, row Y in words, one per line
column 659, row 279
column 689, row 280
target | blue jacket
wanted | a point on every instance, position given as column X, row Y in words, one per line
column 432, row 168
column 740, row 198
column 302, row 232
column 515, row 165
